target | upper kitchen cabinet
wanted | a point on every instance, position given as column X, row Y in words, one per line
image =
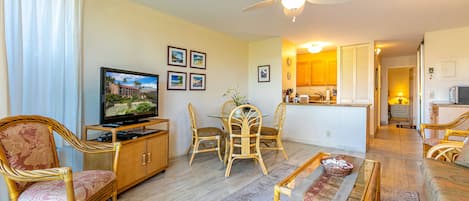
column 317, row 69
column 356, row 78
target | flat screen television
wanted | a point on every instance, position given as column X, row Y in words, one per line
column 127, row 96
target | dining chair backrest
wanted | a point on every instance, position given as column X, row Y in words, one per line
column 279, row 116
column 227, row 107
column 244, row 123
column 192, row 116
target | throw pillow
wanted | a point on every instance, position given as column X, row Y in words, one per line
column 463, row 158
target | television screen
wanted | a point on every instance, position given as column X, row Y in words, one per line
column 127, row 95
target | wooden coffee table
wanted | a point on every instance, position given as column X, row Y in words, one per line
column 367, row 186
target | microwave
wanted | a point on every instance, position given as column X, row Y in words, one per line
column 459, row 95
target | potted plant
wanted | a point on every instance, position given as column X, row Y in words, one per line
column 236, row 96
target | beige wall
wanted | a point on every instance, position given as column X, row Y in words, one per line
column 266, row 95
column 288, row 53
column 444, row 46
column 123, row 34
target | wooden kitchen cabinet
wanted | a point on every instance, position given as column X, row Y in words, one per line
column 316, row 69
column 332, row 73
column 319, row 73
column 303, row 74
column 139, row 159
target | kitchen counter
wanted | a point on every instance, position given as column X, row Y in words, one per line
column 330, row 104
column 340, row 126
column 450, row 105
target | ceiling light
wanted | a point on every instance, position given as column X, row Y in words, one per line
column 293, row 4
column 293, row 8
column 314, row 49
column 378, row 51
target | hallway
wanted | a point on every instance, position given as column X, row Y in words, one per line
column 400, row 151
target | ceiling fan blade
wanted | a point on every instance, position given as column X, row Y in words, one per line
column 326, row 2
column 260, row 4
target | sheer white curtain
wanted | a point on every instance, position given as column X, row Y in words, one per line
column 43, row 43
column 4, row 105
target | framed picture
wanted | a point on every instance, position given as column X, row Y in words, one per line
column 176, row 80
column 198, row 59
column 197, row 81
column 263, row 73
column 177, row 56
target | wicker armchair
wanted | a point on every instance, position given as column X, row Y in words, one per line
column 446, row 151
column 244, row 142
column 455, row 128
column 30, row 166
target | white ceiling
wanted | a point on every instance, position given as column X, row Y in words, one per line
column 396, row 25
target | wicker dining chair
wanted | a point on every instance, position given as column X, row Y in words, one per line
column 227, row 107
column 244, row 142
column 200, row 135
column 274, row 134
column 30, row 165
column 456, row 128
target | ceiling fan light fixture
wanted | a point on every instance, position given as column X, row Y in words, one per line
column 293, row 4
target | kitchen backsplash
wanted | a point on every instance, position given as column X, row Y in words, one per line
column 312, row 90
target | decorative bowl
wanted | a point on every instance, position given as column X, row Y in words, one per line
column 337, row 166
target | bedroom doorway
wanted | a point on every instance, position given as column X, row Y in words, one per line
column 401, row 84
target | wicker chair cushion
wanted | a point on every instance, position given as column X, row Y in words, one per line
column 463, row 158
column 28, row 146
column 431, row 141
column 445, row 181
column 268, row 131
column 85, row 184
column 209, row 131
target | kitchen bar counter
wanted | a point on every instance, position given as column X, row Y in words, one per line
column 330, row 104
column 341, row 126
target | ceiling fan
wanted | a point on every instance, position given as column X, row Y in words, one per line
column 292, row 8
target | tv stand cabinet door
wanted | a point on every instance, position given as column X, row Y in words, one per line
column 132, row 164
column 157, row 151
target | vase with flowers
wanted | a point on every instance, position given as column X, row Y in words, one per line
column 236, row 96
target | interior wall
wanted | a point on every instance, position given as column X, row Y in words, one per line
column 126, row 35
column 443, row 49
column 288, row 65
column 392, row 62
column 266, row 95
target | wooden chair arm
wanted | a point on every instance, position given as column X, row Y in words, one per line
column 94, row 148
column 35, row 175
column 435, row 127
column 457, row 133
column 447, row 151
column 102, row 147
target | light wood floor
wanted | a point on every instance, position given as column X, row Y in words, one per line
column 398, row 149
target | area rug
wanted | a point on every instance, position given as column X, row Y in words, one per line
column 262, row 189
column 408, row 196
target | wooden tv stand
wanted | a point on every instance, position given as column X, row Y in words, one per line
column 139, row 159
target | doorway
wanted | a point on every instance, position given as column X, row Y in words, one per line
column 401, row 83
